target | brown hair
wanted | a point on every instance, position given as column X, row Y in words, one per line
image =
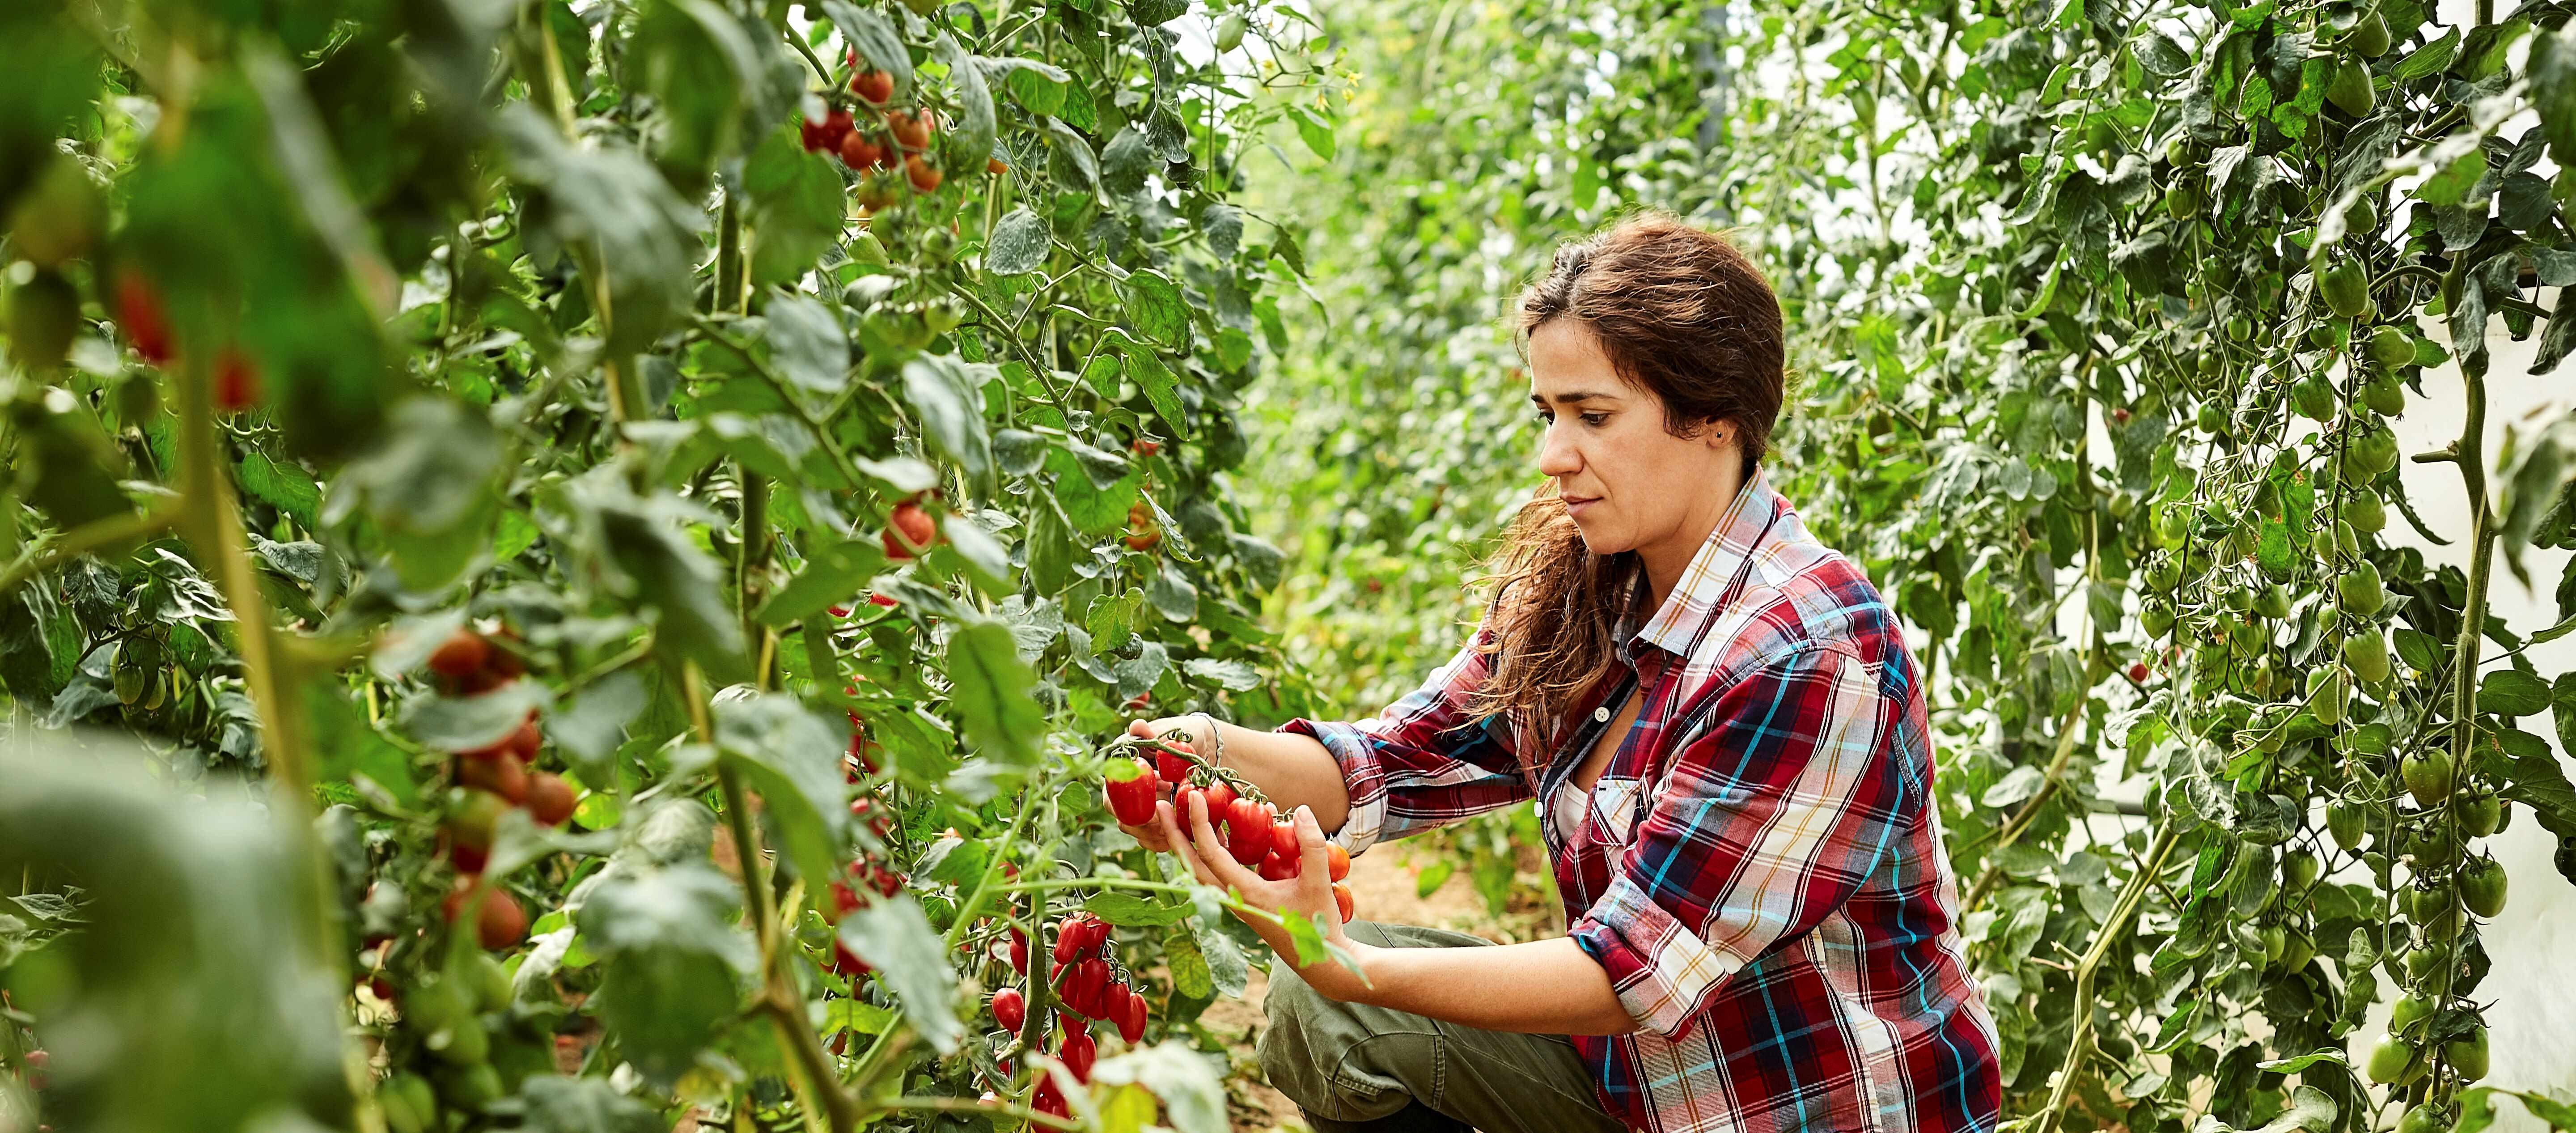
column 1685, row 315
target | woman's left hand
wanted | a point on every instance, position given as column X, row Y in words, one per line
column 1310, row 893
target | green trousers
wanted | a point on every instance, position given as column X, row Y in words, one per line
column 1359, row 1069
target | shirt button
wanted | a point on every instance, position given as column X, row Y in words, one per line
column 1602, row 713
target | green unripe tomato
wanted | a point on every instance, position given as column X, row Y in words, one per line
column 2422, row 1119
column 2182, row 200
column 2363, row 216
column 2350, row 89
column 2210, row 418
column 2344, row 822
column 2345, row 541
column 2423, row 962
column 2210, row 363
column 2155, row 617
column 2163, row 572
column 2376, row 449
column 2359, row 589
column 1229, row 31
column 2364, row 512
column 2391, row 347
column 2314, row 398
column 2299, row 871
column 2384, row 395
column 470, row 1088
column 461, row 1043
column 2468, row 1055
column 2329, row 695
column 2482, row 815
column 2482, row 886
column 2298, row 953
column 2427, row 772
column 2239, row 328
column 2366, row 654
column 2369, row 38
column 2409, row 1010
column 2388, row 1059
column 2345, row 288
column 2246, row 638
column 2276, row 943
column 2273, row 601
column 2240, row 599
column 2173, row 522
column 491, row 982
column 407, row 1104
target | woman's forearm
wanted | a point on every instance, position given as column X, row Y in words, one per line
column 1545, row 987
column 1294, row 770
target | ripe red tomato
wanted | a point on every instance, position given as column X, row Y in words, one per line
column 1132, row 800
column 909, row 531
column 860, row 152
column 138, row 310
column 526, row 741
column 550, row 799
column 847, row 962
column 460, row 656
column 995, row 167
column 880, row 600
column 1019, row 952
column 1343, row 900
column 1173, row 769
column 1276, row 868
column 1078, row 1052
column 1009, row 1009
column 1144, row 446
column 911, row 131
column 2138, row 672
column 1283, row 839
column 872, row 85
column 924, row 176
column 1045, row 1100
column 498, row 923
column 1132, row 1017
column 236, row 381
column 1220, row 797
column 845, row 900
column 1090, row 978
column 1339, row 862
column 507, row 778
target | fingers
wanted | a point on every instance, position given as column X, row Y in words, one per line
column 1140, row 729
column 1177, row 843
column 1150, row 837
column 1311, row 854
column 1211, row 849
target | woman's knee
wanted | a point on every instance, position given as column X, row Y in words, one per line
column 1293, row 1008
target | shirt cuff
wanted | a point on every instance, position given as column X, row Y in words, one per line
column 1661, row 969
column 1362, row 778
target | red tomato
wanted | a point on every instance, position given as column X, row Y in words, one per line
column 1340, row 861
column 550, row 799
column 1219, row 796
column 1078, row 1052
column 1343, row 900
column 1173, row 769
column 1009, row 1009
column 1131, row 1020
column 1283, row 839
column 1276, row 868
column 1019, row 952
column 1132, row 800
column 503, row 777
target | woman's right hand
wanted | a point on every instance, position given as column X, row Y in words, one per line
column 1152, row 835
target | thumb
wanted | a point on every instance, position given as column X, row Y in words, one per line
column 1140, row 729
column 1310, row 847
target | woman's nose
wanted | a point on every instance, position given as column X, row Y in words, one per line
column 1557, row 456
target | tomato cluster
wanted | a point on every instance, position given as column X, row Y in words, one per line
column 890, row 138
column 869, row 873
column 1090, row 986
column 1252, row 830
column 909, row 531
column 235, row 383
column 489, row 781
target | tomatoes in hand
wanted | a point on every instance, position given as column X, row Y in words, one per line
column 1132, row 799
column 1343, row 900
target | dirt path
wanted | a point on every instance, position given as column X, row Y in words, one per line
column 1384, row 887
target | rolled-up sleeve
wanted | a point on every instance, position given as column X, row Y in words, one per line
column 1772, row 814
column 1421, row 763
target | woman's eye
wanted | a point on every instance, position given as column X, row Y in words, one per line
column 1543, row 420
column 1595, row 419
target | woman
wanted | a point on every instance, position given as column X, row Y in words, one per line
column 1724, row 735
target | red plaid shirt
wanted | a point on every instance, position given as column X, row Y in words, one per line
column 1759, row 867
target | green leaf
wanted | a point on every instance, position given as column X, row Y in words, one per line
column 638, row 548
column 1184, row 1080
column 2535, row 782
column 970, row 133
column 833, row 575
column 948, row 394
column 669, row 956
column 582, row 1105
column 2512, row 692
column 602, row 196
column 694, row 60
column 591, row 727
column 989, row 688
column 1018, row 245
column 892, row 935
column 2431, row 59
column 793, row 756
column 796, row 207
column 470, row 723
column 1155, row 309
column 1161, row 387
column 1136, row 909
column 806, row 342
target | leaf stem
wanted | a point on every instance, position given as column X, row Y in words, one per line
column 822, row 437
column 2080, row 1047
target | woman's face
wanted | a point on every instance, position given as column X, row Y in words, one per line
column 1629, row 484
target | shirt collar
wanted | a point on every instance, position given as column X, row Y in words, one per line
column 1712, row 570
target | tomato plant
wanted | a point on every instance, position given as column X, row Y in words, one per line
column 479, row 421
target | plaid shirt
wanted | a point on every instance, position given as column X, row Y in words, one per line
column 1758, row 868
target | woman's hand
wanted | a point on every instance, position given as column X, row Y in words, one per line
column 1188, row 727
column 1310, row 893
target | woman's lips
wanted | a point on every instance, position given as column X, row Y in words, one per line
column 1574, row 505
